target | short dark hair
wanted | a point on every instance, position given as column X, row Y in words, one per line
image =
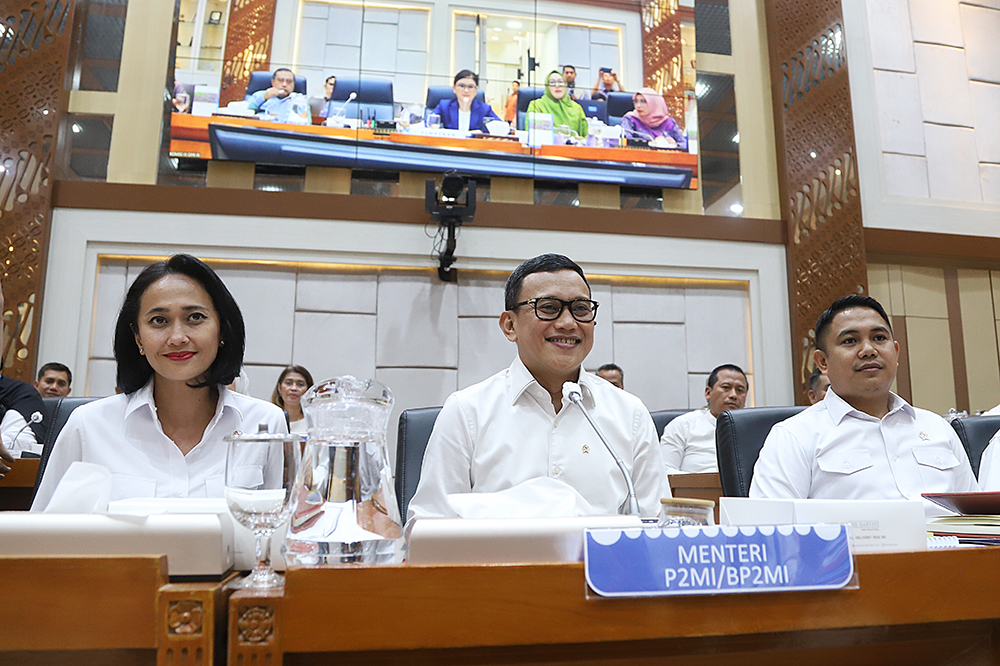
column 332, row 76
column 714, row 377
column 814, row 379
column 611, row 366
column 543, row 263
column 565, row 67
column 56, row 367
column 465, row 74
column 282, row 69
column 846, row 303
column 134, row 370
column 276, row 396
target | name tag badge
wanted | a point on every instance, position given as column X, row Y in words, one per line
column 717, row 560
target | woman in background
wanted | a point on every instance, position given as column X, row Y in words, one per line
column 179, row 340
column 565, row 112
column 465, row 112
column 292, row 383
column 650, row 120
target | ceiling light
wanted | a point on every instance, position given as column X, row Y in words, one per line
column 516, row 25
column 736, row 138
column 497, row 29
column 701, row 89
column 737, row 208
column 76, row 128
column 812, row 154
column 495, row 38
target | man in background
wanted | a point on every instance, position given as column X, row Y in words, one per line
column 54, row 380
column 688, row 441
column 281, row 100
column 613, row 374
column 510, row 110
column 569, row 73
column 818, row 384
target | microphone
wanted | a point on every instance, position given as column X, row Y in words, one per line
column 329, row 105
column 571, row 391
column 36, row 417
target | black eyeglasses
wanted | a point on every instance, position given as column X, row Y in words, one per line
column 583, row 310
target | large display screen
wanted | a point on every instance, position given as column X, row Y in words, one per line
column 585, row 91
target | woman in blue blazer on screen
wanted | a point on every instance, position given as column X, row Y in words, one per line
column 465, row 112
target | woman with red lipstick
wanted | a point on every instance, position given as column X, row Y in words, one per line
column 179, row 341
column 292, row 383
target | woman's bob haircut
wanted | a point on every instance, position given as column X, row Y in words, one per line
column 134, row 370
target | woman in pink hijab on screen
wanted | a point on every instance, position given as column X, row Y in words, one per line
column 650, row 121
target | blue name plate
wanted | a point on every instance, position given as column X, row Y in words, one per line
column 713, row 560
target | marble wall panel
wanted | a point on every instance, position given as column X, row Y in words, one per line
column 262, row 380
column 480, row 297
column 267, row 299
column 483, row 350
column 952, row 167
column 982, row 42
column 990, row 180
column 648, row 304
column 654, row 359
column 924, row 292
column 718, row 328
column 986, row 107
column 936, row 22
column 906, row 175
column 412, row 388
column 101, row 381
column 931, row 368
column 378, row 48
column 417, row 322
column 111, row 286
column 325, row 292
column 900, row 118
column 944, row 85
column 891, row 35
column 331, row 345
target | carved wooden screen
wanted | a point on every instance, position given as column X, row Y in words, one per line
column 248, row 46
column 661, row 53
column 817, row 165
column 35, row 41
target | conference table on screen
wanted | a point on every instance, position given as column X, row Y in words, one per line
column 252, row 140
column 18, row 485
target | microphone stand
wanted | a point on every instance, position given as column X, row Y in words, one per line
column 572, row 392
column 36, row 417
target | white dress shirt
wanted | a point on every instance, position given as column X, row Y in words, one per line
column 833, row 451
column 124, row 434
column 503, row 431
column 688, row 443
column 13, row 426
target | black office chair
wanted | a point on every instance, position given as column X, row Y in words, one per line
column 665, row 416
column 525, row 95
column 619, row 103
column 975, row 433
column 595, row 108
column 435, row 94
column 415, row 426
column 373, row 97
column 262, row 81
column 739, row 437
column 55, row 413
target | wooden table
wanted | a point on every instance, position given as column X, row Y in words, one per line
column 107, row 610
column 18, row 485
column 937, row 607
column 697, row 486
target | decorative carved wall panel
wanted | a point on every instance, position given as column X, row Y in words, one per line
column 32, row 71
column 248, row 46
column 661, row 49
column 817, row 165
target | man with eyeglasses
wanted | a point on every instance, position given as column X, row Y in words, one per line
column 281, row 100
column 515, row 430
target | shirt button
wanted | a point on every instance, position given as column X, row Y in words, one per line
column 847, row 465
column 895, row 457
column 557, row 470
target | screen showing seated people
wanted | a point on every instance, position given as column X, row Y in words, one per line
column 559, row 90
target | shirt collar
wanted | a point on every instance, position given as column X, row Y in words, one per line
column 143, row 399
column 839, row 408
column 520, row 379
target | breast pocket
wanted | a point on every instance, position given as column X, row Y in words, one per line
column 246, row 476
column 844, row 462
column 125, row 486
column 936, row 457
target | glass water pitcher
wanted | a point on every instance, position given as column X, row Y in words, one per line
column 344, row 506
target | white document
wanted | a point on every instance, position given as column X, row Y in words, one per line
column 877, row 526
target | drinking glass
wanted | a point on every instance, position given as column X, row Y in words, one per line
column 433, row 120
column 260, row 474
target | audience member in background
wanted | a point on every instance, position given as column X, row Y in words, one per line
column 328, row 86
column 650, row 121
column 179, row 340
column 510, row 110
column 818, row 384
column 17, row 431
column 515, row 429
column 688, row 441
column 281, row 100
column 293, row 382
column 565, row 112
column 613, row 374
column 569, row 73
column 607, row 82
column 465, row 112
column 54, row 380
column 861, row 441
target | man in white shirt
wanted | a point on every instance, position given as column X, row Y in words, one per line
column 281, row 100
column 861, row 441
column 688, row 441
column 612, row 373
column 818, row 384
column 515, row 426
